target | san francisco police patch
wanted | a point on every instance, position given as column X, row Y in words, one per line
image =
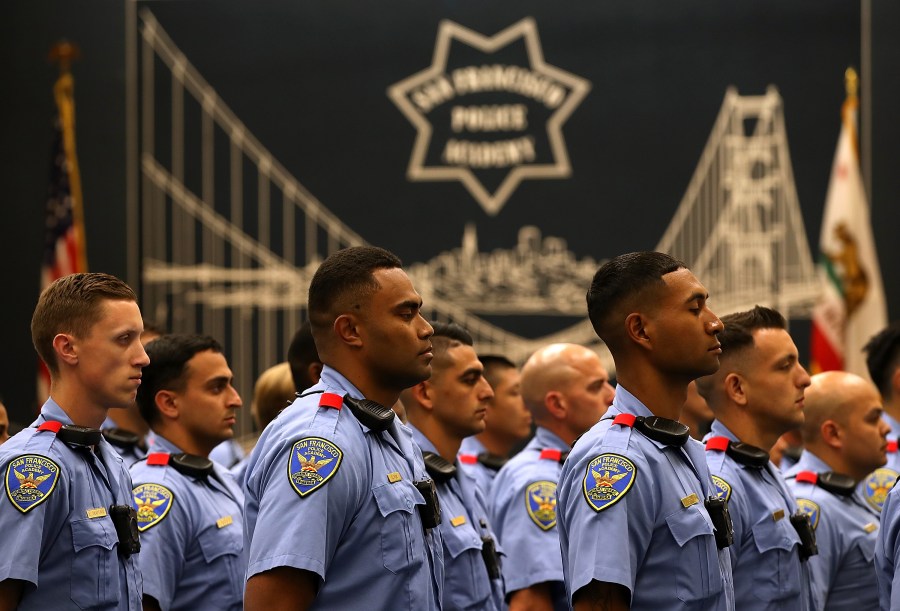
column 609, row 477
column 723, row 488
column 313, row 462
column 540, row 502
column 877, row 486
column 153, row 503
column 811, row 509
column 30, row 479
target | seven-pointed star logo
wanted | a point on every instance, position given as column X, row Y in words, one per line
column 490, row 115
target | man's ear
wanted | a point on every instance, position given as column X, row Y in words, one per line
column 423, row 393
column 831, row 434
column 636, row 329
column 346, row 326
column 314, row 371
column 554, row 404
column 65, row 348
column 736, row 388
column 167, row 404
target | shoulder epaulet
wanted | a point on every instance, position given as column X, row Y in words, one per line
column 663, row 430
column 369, row 413
column 186, row 464
column 553, row 454
column 836, row 483
column 72, row 435
column 742, row 453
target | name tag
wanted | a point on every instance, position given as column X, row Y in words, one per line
column 394, row 477
column 223, row 522
column 777, row 515
column 458, row 520
column 96, row 512
column 689, row 500
column 870, row 527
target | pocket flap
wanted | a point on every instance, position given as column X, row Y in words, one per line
column 769, row 534
column 689, row 523
column 216, row 542
column 401, row 496
column 98, row 532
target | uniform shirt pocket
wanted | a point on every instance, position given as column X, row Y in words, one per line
column 218, row 542
column 776, row 573
column 465, row 574
column 866, row 546
column 402, row 536
column 95, row 565
column 696, row 570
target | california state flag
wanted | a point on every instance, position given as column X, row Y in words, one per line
column 852, row 307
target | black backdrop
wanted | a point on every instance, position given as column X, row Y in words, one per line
column 310, row 81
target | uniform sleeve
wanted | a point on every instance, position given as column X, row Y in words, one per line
column 164, row 547
column 523, row 513
column 624, row 527
column 33, row 531
column 303, row 531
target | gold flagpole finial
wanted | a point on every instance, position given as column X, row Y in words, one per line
column 64, row 53
column 851, row 81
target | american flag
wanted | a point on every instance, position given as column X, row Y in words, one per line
column 64, row 247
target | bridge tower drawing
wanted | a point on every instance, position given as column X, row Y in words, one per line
column 229, row 239
column 739, row 226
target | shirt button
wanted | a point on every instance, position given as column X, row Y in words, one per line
column 409, row 504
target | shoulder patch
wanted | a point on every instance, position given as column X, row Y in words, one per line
column 540, row 502
column 877, row 485
column 608, row 478
column 723, row 488
column 30, row 480
column 811, row 509
column 313, row 461
column 153, row 503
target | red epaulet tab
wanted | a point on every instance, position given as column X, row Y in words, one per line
column 551, row 454
column 807, row 477
column 625, row 420
column 892, row 447
column 468, row 459
column 717, row 444
column 332, row 400
column 50, row 425
column 158, row 459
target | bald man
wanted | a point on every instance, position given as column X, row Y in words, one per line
column 567, row 390
column 845, row 439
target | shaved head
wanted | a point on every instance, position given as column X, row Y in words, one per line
column 831, row 396
column 554, row 368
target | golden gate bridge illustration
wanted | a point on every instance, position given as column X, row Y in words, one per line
column 232, row 256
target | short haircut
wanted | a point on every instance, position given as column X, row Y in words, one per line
column 619, row 283
column 343, row 282
column 300, row 355
column 883, row 358
column 493, row 365
column 447, row 336
column 73, row 304
column 740, row 327
column 169, row 356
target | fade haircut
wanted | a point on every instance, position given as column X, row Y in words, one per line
column 740, row 327
column 169, row 356
column 300, row 355
column 73, row 304
column 494, row 364
column 883, row 358
column 343, row 282
column 447, row 336
column 620, row 284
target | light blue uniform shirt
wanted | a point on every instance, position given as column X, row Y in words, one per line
column 192, row 557
column 484, row 476
column 765, row 556
column 69, row 559
column 887, row 553
column 228, row 453
column 842, row 574
column 523, row 512
column 130, row 454
column 652, row 533
column 874, row 488
column 467, row 586
column 359, row 530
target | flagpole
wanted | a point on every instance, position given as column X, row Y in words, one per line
column 64, row 53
